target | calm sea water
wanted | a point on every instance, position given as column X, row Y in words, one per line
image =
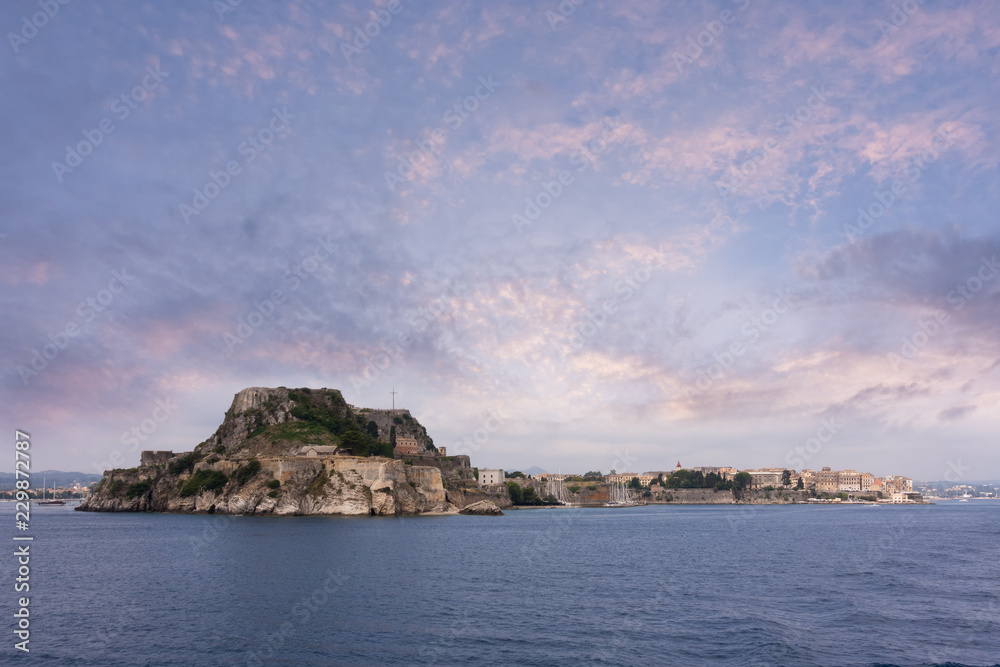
column 681, row 585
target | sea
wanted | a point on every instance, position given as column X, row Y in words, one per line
column 654, row 585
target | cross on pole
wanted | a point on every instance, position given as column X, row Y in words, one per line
column 394, row 392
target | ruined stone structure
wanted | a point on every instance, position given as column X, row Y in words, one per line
column 152, row 458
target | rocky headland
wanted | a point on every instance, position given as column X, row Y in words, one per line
column 303, row 451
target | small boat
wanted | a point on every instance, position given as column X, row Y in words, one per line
column 43, row 501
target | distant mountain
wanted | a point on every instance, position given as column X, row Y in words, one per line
column 533, row 470
column 57, row 478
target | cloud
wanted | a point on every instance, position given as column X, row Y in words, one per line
column 956, row 413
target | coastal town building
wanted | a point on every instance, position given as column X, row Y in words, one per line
column 867, row 480
column 848, row 480
column 623, row 477
column 896, row 484
column 488, row 476
column 406, row 447
column 827, row 481
column 646, row 479
column 764, row 478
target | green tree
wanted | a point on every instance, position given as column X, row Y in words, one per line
column 530, row 497
column 517, row 473
column 742, row 480
column 371, row 428
column 392, row 435
column 516, row 495
column 800, row 485
column 635, row 483
column 593, row 474
column 786, row 477
column 356, row 441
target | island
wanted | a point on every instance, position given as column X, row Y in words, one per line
column 304, row 451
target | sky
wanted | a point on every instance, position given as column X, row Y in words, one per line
column 580, row 236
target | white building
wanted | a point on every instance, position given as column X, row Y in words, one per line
column 317, row 450
column 489, row 476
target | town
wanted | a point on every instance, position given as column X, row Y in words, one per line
column 825, row 485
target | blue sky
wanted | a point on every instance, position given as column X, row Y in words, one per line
column 728, row 233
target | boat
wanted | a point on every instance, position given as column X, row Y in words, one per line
column 620, row 496
column 54, row 501
column 557, row 489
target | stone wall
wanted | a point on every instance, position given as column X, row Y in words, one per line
column 152, row 458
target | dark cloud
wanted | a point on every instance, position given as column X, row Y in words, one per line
column 956, row 413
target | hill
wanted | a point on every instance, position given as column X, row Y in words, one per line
column 295, row 451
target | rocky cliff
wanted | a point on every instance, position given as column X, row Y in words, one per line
column 255, row 463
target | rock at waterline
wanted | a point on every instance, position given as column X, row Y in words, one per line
column 482, row 508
